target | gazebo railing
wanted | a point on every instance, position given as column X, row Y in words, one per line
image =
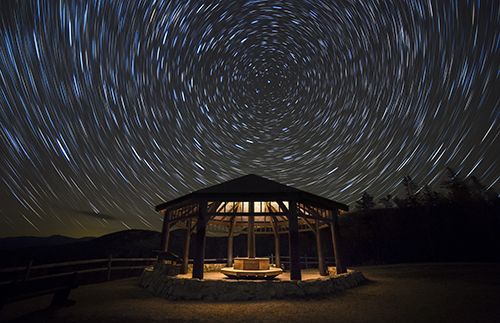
column 305, row 260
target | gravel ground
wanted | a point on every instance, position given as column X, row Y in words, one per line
column 395, row 293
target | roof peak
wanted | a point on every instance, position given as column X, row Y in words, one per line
column 252, row 187
column 248, row 184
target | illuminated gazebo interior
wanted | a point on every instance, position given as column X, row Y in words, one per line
column 252, row 205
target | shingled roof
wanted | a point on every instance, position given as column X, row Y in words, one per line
column 252, row 187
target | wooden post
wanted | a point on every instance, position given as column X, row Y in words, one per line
column 277, row 244
column 165, row 232
column 199, row 251
column 293, row 237
column 187, row 241
column 230, row 242
column 108, row 278
column 323, row 269
column 251, row 236
column 251, row 232
column 28, row 269
column 337, row 245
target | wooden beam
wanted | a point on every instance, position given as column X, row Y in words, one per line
column 274, row 222
column 282, row 205
column 315, row 215
column 213, row 208
column 309, row 224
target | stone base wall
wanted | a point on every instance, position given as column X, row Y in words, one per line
column 175, row 288
column 207, row 268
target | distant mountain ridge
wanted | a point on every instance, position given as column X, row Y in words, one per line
column 10, row 243
column 122, row 244
column 18, row 251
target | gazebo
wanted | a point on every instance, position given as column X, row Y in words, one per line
column 253, row 205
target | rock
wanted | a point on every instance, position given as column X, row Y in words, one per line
column 192, row 289
column 158, row 281
column 262, row 295
column 210, row 288
column 235, row 296
column 339, row 285
column 329, row 287
column 293, row 289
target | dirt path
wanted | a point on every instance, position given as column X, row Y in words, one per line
column 396, row 293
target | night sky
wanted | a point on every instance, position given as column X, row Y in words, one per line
column 110, row 108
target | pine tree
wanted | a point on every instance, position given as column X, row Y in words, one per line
column 366, row 202
column 386, row 201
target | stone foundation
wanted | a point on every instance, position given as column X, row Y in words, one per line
column 208, row 268
column 174, row 288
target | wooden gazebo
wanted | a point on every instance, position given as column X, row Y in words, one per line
column 253, row 205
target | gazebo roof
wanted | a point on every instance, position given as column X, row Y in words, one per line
column 252, row 187
column 248, row 205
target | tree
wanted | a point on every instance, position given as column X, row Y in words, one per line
column 410, row 186
column 458, row 190
column 430, row 197
column 481, row 194
column 386, row 201
column 412, row 198
column 366, row 202
column 400, row 203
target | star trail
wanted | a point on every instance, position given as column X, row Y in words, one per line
column 109, row 108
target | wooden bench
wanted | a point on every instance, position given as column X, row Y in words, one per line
column 60, row 285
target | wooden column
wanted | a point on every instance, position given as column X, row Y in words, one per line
column 165, row 232
column 323, row 269
column 199, row 251
column 251, row 232
column 337, row 244
column 187, row 241
column 277, row 243
column 251, row 236
column 293, row 237
column 230, row 253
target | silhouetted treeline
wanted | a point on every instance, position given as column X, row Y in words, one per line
column 461, row 222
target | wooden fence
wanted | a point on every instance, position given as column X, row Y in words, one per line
column 18, row 283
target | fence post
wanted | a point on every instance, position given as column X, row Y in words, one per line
column 28, row 269
column 305, row 260
column 109, row 267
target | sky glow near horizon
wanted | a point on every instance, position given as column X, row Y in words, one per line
column 110, row 108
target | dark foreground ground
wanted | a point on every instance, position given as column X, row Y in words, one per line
column 395, row 293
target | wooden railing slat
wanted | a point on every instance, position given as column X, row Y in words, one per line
column 12, row 269
column 70, row 263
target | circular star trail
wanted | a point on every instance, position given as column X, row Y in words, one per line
column 109, row 108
